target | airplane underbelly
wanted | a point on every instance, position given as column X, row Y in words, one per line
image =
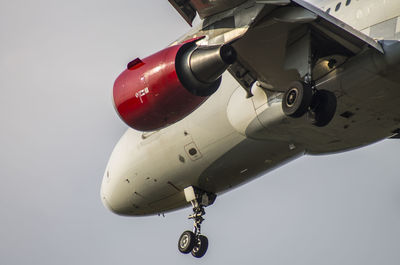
column 368, row 96
column 368, row 92
column 246, row 161
column 160, row 189
column 232, row 139
column 149, row 171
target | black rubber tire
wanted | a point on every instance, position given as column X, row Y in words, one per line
column 186, row 242
column 200, row 247
column 297, row 99
column 324, row 107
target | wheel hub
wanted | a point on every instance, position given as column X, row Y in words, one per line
column 184, row 242
column 291, row 97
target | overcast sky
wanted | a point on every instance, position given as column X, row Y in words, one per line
column 58, row 62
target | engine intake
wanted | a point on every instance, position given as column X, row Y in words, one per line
column 167, row 86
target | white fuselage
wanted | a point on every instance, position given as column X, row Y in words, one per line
column 230, row 139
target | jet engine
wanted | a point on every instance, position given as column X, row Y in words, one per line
column 167, row 86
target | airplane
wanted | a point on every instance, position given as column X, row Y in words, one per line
column 257, row 84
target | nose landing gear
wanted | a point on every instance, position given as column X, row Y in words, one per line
column 186, row 242
column 195, row 242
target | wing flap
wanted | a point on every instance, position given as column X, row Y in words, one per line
column 205, row 8
column 185, row 9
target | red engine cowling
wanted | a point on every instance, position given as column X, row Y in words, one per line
column 167, row 86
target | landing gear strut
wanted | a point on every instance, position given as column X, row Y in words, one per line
column 195, row 242
column 302, row 97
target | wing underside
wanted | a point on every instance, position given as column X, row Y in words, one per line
column 277, row 39
column 288, row 42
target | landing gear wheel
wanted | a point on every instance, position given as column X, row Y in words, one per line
column 323, row 108
column 200, row 247
column 297, row 99
column 194, row 241
column 186, row 242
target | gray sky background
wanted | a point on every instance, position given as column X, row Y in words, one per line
column 58, row 62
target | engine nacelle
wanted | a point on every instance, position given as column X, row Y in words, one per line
column 167, row 86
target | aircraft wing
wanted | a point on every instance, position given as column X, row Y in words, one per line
column 277, row 48
column 338, row 30
column 271, row 47
column 205, row 8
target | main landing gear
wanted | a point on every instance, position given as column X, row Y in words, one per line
column 302, row 98
column 194, row 242
column 304, row 52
